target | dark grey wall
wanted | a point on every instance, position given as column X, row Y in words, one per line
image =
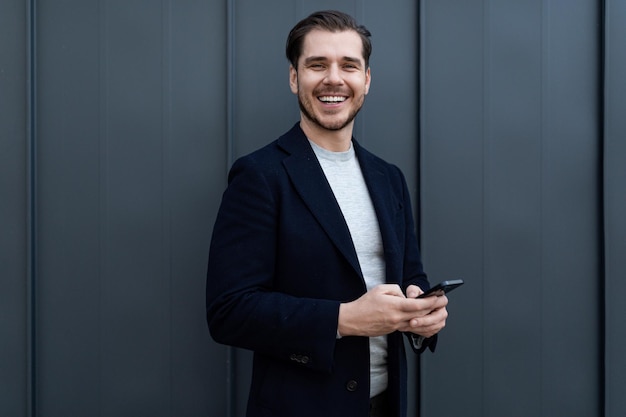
column 13, row 209
column 114, row 150
column 510, row 164
column 130, row 158
column 614, row 171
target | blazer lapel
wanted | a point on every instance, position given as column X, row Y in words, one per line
column 309, row 181
column 386, row 206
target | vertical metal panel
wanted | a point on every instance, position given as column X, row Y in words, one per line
column 135, row 296
column 615, row 207
column 571, row 258
column 196, row 149
column 13, row 198
column 68, row 339
column 264, row 107
column 388, row 125
column 452, row 167
column 509, row 169
column 132, row 162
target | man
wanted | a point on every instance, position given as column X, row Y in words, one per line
column 314, row 264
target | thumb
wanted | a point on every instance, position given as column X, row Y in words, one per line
column 413, row 291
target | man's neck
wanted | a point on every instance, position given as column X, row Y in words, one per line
column 332, row 140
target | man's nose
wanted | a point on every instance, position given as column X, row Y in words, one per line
column 333, row 76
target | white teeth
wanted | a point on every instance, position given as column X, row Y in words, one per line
column 332, row 99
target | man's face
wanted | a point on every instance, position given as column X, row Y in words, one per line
column 331, row 80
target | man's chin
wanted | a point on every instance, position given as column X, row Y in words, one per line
column 332, row 125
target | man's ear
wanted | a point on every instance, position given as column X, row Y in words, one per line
column 368, row 80
column 293, row 79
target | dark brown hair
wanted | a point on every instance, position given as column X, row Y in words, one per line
column 329, row 20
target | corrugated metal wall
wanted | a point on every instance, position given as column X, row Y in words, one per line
column 13, row 203
column 119, row 120
column 614, row 199
column 511, row 147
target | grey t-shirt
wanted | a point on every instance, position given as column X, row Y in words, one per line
column 344, row 175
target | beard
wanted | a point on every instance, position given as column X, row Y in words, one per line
column 306, row 107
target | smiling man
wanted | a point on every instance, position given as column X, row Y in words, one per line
column 331, row 85
column 314, row 264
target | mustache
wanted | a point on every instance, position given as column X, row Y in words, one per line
column 330, row 92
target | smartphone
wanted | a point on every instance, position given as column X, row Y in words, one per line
column 442, row 288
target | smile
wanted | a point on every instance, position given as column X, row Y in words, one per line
column 332, row 99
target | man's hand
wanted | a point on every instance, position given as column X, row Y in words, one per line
column 386, row 309
column 432, row 323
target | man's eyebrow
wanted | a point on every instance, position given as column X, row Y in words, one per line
column 352, row 59
column 323, row 58
column 314, row 59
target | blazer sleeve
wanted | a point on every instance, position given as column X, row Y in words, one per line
column 243, row 308
column 413, row 269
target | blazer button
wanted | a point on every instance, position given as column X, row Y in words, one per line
column 304, row 360
column 352, row 385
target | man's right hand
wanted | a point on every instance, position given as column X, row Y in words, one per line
column 386, row 309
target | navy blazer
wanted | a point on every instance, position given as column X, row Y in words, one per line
column 282, row 260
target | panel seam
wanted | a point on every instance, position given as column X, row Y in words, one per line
column 31, row 211
column 602, row 304
column 231, row 381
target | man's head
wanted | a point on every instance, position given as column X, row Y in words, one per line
column 329, row 72
column 331, row 21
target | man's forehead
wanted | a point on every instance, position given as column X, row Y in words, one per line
column 323, row 43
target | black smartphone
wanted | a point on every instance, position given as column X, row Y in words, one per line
column 442, row 288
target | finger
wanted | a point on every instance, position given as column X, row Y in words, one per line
column 390, row 289
column 413, row 291
column 434, row 319
column 420, row 306
column 438, row 301
column 418, row 326
column 441, row 301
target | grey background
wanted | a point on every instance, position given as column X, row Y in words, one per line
column 119, row 121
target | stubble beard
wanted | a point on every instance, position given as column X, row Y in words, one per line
column 306, row 107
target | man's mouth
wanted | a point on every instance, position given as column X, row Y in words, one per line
column 332, row 99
